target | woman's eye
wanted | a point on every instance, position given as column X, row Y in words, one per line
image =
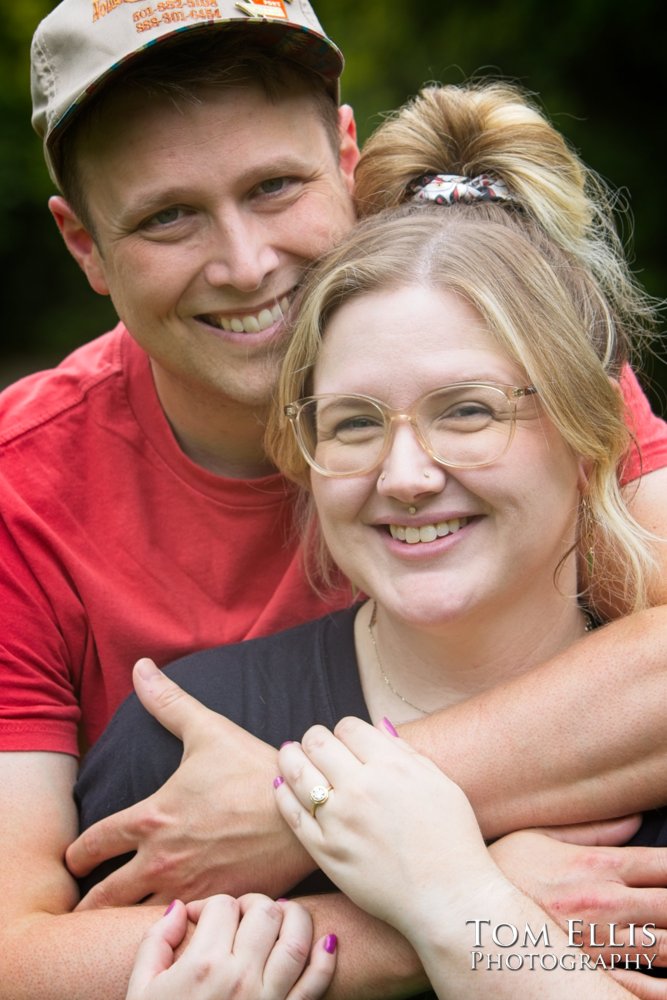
column 463, row 410
column 357, row 427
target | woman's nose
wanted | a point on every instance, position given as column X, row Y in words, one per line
column 408, row 471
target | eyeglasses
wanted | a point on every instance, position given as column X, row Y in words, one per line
column 464, row 425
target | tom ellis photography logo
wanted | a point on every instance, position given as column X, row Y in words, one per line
column 505, row 946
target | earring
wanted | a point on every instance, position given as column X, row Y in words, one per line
column 383, row 477
column 587, row 535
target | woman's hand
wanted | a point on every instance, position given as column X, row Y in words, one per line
column 395, row 834
column 246, row 949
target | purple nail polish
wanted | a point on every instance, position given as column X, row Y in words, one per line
column 330, row 943
column 389, row 727
column 286, row 743
column 277, row 782
column 169, row 908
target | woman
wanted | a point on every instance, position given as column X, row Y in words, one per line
column 454, row 415
column 458, row 494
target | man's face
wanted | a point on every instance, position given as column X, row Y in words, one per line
column 205, row 217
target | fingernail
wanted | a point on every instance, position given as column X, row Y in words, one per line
column 169, row 908
column 389, row 727
column 283, row 899
column 286, row 743
column 277, row 782
column 146, row 669
column 330, row 943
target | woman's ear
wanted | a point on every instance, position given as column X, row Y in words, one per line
column 80, row 242
column 584, row 467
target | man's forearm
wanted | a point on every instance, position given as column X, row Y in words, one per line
column 374, row 961
column 581, row 737
column 72, row 956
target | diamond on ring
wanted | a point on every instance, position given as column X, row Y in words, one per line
column 318, row 796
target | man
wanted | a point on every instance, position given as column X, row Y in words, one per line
column 139, row 513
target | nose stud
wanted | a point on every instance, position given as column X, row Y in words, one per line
column 427, row 475
column 383, row 477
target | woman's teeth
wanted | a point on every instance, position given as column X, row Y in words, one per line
column 427, row 532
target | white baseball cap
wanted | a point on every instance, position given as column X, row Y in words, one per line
column 81, row 44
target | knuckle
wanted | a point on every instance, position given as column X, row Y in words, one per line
column 202, row 970
column 297, row 950
column 607, row 861
column 346, row 726
column 159, row 866
column 91, row 842
column 102, row 896
column 151, row 819
column 314, row 738
column 169, row 693
column 266, row 906
column 242, row 986
column 292, row 817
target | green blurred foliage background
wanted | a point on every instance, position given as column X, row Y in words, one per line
column 597, row 66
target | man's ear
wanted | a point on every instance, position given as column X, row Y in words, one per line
column 80, row 243
column 349, row 150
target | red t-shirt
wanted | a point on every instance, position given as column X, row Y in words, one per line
column 114, row 545
column 649, row 451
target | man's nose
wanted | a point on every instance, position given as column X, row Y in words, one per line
column 241, row 255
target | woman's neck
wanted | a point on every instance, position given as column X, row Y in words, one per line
column 409, row 670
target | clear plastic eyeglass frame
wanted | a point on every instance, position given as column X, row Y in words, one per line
column 303, row 412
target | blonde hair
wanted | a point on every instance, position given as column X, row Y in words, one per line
column 537, row 296
column 496, row 128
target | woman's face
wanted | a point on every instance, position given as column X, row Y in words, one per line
column 501, row 529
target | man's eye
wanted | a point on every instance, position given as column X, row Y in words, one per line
column 274, row 185
column 165, row 217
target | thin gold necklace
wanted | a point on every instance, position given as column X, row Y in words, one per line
column 588, row 627
column 371, row 624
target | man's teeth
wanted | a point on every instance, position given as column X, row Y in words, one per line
column 427, row 532
column 253, row 322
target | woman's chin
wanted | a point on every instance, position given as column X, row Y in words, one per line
column 426, row 607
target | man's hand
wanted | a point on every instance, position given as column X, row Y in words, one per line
column 212, row 827
column 592, row 885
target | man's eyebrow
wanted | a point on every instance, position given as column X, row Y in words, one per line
column 286, row 163
column 253, row 174
column 145, row 205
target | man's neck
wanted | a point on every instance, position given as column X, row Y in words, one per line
column 222, row 436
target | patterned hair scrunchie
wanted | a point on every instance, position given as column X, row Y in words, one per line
column 448, row 189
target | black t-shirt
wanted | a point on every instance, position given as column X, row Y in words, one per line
column 274, row 687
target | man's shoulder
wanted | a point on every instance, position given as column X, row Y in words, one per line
column 39, row 399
